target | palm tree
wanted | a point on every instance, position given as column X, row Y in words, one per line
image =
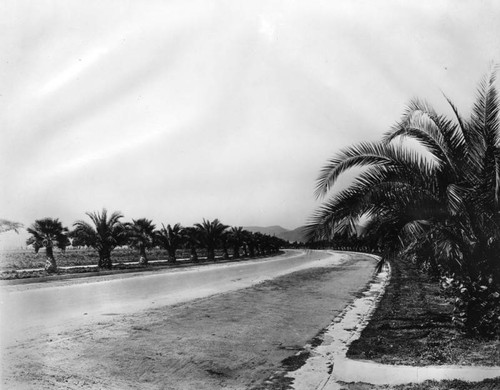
column 440, row 202
column 249, row 243
column 47, row 233
column 259, row 240
column 210, row 235
column 191, row 238
column 236, row 237
column 141, row 235
column 104, row 236
column 6, row 225
column 170, row 238
column 224, row 242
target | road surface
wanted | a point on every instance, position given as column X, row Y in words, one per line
column 28, row 310
column 148, row 331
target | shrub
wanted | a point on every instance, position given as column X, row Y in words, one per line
column 476, row 304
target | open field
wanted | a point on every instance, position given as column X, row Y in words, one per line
column 22, row 264
column 235, row 340
column 28, row 259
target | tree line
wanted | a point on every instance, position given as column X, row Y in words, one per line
column 105, row 232
column 437, row 205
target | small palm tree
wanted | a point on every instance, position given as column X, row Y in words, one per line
column 47, row 233
column 6, row 225
column 141, row 235
column 248, row 243
column 236, row 239
column 191, row 238
column 104, row 236
column 224, row 243
column 170, row 238
column 210, row 235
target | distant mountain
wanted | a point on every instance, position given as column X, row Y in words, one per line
column 295, row 235
column 278, row 231
column 271, row 230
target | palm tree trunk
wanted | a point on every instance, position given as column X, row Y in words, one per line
column 194, row 255
column 143, row 260
column 210, row 254
column 236, row 252
column 171, row 256
column 251, row 250
column 105, row 259
column 50, row 264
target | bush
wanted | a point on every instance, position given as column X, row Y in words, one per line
column 476, row 305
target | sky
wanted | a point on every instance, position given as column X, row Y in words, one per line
column 182, row 110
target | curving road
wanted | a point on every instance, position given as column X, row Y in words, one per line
column 42, row 308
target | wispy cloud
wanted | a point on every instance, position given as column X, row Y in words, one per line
column 72, row 71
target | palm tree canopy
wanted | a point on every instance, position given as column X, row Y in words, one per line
column 210, row 232
column 47, row 232
column 236, row 235
column 449, row 188
column 105, row 232
column 6, row 225
column 141, row 233
column 170, row 237
column 191, row 236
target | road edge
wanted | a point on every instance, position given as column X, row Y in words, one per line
column 328, row 364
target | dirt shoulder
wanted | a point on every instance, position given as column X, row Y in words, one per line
column 234, row 340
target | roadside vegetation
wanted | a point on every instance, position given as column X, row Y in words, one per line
column 413, row 326
column 427, row 199
column 106, row 241
column 436, row 204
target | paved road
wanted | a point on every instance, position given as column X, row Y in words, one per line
column 44, row 308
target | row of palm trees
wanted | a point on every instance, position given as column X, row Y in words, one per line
column 438, row 204
column 106, row 231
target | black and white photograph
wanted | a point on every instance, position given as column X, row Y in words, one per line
column 261, row 195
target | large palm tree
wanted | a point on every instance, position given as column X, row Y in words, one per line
column 440, row 201
column 105, row 235
column 210, row 235
column 170, row 238
column 48, row 233
column 141, row 235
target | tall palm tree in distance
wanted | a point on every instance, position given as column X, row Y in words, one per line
column 48, row 233
column 191, row 238
column 236, row 237
column 210, row 235
column 6, row 225
column 170, row 238
column 104, row 235
column 224, row 243
column 141, row 235
column 249, row 243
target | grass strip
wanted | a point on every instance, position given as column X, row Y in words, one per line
column 413, row 325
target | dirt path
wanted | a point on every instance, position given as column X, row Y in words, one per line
column 234, row 340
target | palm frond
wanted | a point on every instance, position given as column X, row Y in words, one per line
column 380, row 156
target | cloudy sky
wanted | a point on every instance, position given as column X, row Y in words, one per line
column 183, row 110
